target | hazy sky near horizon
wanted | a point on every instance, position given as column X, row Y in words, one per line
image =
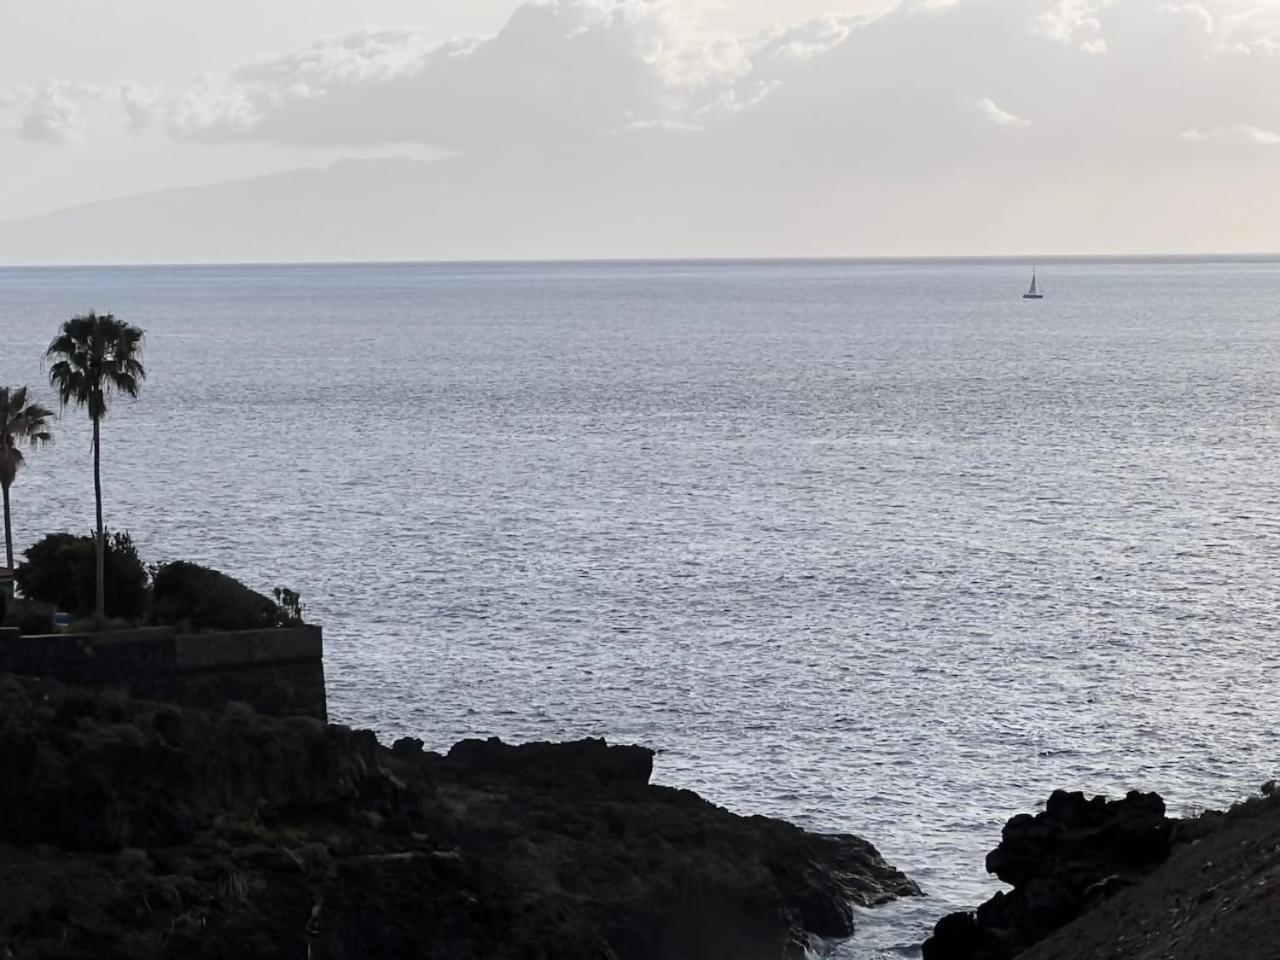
column 1173, row 107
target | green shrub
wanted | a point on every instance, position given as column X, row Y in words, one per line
column 32, row 617
column 192, row 597
column 60, row 570
column 88, row 625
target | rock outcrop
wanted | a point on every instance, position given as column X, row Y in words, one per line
column 131, row 829
column 1076, row 854
column 1203, row 888
column 1215, row 898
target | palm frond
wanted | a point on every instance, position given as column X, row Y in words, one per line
column 95, row 355
column 20, row 423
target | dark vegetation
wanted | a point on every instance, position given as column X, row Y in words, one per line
column 193, row 597
column 93, row 358
column 32, row 617
column 60, row 569
column 132, row 829
column 99, row 580
column 59, row 574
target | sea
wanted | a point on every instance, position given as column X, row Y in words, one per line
column 873, row 546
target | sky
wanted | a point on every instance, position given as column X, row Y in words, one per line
column 643, row 127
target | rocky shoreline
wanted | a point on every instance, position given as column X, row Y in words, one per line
column 1094, row 879
column 135, row 829
column 139, row 829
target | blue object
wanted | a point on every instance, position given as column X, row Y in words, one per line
column 61, row 620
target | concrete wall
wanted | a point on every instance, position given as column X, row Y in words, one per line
column 278, row 672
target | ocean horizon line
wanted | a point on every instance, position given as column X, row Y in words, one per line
column 709, row 261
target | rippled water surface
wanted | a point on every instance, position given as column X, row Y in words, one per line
column 874, row 547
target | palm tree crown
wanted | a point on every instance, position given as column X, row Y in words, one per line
column 95, row 355
column 21, row 423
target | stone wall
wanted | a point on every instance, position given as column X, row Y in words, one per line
column 279, row 672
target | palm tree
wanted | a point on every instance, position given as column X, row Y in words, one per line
column 20, row 423
column 96, row 355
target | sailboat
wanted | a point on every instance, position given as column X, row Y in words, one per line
column 1034, row 293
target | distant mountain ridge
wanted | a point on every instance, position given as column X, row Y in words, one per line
column 614, row 202
column 638, row 195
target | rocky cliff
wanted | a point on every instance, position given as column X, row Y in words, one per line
column 132, row 829
column 1094, row 879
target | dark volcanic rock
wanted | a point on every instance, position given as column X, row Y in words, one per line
column 134, row 829
column 1215, row 898
column 1077, row 853
column 585, row 763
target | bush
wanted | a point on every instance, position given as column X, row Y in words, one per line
column 32, row 617
column 88, row 625
column 61, row 568
column 192, row 597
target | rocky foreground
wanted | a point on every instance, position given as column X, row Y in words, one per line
column 131, row 829
column 1118, row 880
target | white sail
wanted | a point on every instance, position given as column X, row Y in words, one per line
column 1034, row 293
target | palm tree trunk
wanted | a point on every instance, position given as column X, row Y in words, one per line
column 8, row 532
column 99, row 607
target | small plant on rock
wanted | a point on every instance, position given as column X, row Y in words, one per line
column 288, row 607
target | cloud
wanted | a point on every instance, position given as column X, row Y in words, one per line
column 141, row 104
column 214, row 111
column 56, row 113
column 1195, row 11
column 558, row 69
column 15, row 96
column 999, row 116
column 54, row 119
column 1237, row 134
column 561, row 71
column 1247, row 26
column 1074, row 22
column 807, row 41
column 886, row 88
column 670, row 125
